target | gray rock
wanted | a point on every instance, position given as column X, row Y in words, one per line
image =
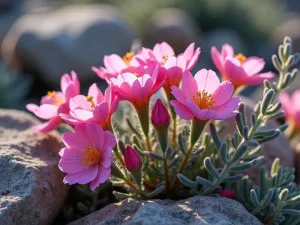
column 291, row 28
column 72, row 38
column 11, row 10
column 173, row 26
column 199, row 210
column 277, row 148
column 31, row 184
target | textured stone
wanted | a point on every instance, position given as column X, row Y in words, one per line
column 72, row 38
column 31, row 183
column 277, row 148
column 199, row 210
column 173, row 26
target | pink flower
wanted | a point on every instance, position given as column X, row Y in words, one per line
column 132, row 159
column 174, row 66
column 160, row 115
column 163, row 51
column 87, row 156
column 137, row 90
column 55, row 103
column 114, row 65
column 239, row 69
column 203, row 97
column 291, row 107
column 92, row 108
column 226, row 194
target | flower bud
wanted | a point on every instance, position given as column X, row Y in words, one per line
column 160, row 115
column 226, row 193
column 132, row 159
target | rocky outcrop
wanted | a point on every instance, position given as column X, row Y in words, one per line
column 199, row 210
column 31, row 185
column 71, row 38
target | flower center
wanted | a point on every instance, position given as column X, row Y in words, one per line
column 165, row 58
column 57, row 100
column 90, row 100
column 241, row 58
column 90, row 156
column 128, row 57
column 204, row 100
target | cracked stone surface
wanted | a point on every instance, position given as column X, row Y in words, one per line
column 31, row 185
column 199, row 210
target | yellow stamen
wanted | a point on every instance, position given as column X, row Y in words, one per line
column 90, row 156
column 241, row 58
column 57, row 100
column 51, row 94
column 204, row 100
column 90, row 99
column 165, row 58
column 128, row 57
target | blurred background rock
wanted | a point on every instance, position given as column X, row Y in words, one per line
column 47, row 38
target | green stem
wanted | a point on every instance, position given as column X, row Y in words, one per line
column 119, row 157
column 166, row 172
column 174, row 135
column 197, row 129
column 116, row 151
column 174, row 116
column 115, row 171
column 134, row 188
column 274, row 214
column 228, row 167
column 143, row 114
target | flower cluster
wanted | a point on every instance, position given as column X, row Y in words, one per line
column 91, row 154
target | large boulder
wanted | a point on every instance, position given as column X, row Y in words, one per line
column 31, row 185
column 72, row 38
column 173, row 26
column 199, row 210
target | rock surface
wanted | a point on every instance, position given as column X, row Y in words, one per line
column 277, row 148
column 173, row 26
column 72, row 38
column 31, row 185
column 199, row 210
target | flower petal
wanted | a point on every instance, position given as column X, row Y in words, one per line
column 253, row 65
column 95, row 135
column 227, row 51
column 48, row 126
column 101, row 112
column 228, row 110
column 102, row 176
column 45, row 111
column 82, row 177
column 96, row 93
column 207, row 80
column 223, row 93
column 183, row 111
column 217, row 58
column 189, row 85
column 71, row 161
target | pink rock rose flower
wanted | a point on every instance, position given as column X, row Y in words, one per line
column 55, row 103
column 87, row 156
column 239, row 69
column 291, row 108
column 203, row 97
column 92, row 108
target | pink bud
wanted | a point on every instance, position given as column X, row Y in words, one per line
column 160, row 115
column 133, row 160
column 226, row 193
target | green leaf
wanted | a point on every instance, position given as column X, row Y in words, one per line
column 275, row 167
